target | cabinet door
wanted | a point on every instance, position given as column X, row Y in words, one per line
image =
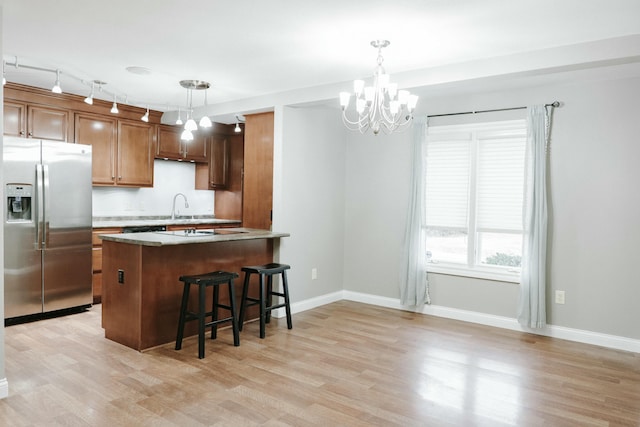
column 196, row 150
column 219, row 162
column 47, row 123
column 135, row 154
column 169, row 144
column 100, row 133
column 171, row 147
column 14, row 119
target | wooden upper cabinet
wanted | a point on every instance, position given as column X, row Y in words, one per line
column 171, row 147
column 218, row 162
column 15, row 119
column 36, row 121
column 135, row 154
column 122, row 151
column 101, row 133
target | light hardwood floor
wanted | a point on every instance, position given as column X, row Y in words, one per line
column 343, row 364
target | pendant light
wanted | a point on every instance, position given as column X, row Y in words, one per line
column 190, row 125
column 179, row 121
column 205, row 121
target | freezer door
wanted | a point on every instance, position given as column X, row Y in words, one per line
column 22, row 259
column 67, row 225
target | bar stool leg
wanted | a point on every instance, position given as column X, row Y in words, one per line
column 201, row 321
column 287, row 306
column 214, row 312
column 269, row 302
column 243, row 303
column 262, row 306
column 234, row 317
column 183, row 312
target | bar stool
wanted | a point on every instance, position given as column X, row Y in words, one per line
column 203, row 281
column 266, row 293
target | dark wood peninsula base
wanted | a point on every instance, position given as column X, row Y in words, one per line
column 142, row 311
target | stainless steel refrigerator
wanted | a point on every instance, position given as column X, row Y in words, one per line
column 47, row 226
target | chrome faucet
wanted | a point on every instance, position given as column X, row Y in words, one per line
column 173, row 209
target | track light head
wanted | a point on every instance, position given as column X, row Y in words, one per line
column 56, row 86
column 89, row 99
column 145, row 118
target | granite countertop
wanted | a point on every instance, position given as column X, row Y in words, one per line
column 167, row 238
column 136, row 221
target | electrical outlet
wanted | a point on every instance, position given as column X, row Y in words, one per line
column 559, row 297
column 314, row 273
column 120, row 276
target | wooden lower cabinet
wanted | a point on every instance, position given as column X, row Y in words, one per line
column 96, row 260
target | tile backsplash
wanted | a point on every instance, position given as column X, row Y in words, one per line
column 170, row 177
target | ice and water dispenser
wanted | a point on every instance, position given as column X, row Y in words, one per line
column 18, row 202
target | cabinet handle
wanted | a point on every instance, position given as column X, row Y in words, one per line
column 21, row 132
column 30, row 133
column 119, row 178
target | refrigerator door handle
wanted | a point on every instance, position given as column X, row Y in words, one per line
column 45, row 194
column 39, row 217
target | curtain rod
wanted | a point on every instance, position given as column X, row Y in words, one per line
column 554, row 104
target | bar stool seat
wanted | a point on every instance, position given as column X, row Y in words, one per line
column 203, row 281
column 266, row 293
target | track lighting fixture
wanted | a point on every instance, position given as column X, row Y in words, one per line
column 56, row 86
column 94, row 83
column 179, row 121
column 114, row 107
column 89, row 99
column 237, row 128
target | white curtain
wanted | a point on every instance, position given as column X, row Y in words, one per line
column 532, row 304
column 414, row 287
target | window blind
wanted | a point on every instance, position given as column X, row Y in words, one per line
column 447, row 175
column 500, row 183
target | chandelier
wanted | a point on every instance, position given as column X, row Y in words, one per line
column 380, row 106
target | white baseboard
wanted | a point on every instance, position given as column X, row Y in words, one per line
column 570, row 334
column 4, row 388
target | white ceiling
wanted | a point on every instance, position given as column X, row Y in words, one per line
column 250, row 48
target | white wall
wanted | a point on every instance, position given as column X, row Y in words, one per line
column 310, row 204
column 170, row 177
column 594, row 208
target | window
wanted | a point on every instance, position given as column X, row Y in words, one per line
column 475, row 186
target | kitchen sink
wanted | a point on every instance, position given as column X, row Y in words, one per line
column 194, row 232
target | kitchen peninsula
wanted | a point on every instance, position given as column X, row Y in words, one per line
column 141, row 292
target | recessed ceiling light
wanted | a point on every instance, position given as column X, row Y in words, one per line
column 139, row 70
